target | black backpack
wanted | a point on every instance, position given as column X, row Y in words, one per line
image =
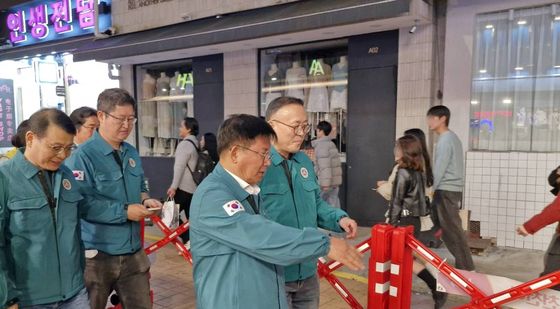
column 204, row 165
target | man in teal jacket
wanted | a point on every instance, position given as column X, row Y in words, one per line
column 237, row 253
column 41, row 255
column 291, row 195
column 111, row 168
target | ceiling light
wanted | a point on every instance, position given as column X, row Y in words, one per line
column 489, row 26
column 518, row 68
column 506, row 101
column 557, row 66
column 53, row 53
column 557, row 17
column 483, row 71
column 522, row 22
column 474, row 102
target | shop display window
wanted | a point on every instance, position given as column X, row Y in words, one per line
column 165, row 98
column 316, row 73
column 515, row 97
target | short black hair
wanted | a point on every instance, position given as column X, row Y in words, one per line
column 40, row 121
column 79, row 115
column 18, row 140
column 191, row 124
column 278, row 103
column 242, row 129
column 113, row 97
column 324, row 126
column 440, row 111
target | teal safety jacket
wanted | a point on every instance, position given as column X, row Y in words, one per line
column 297, row 203
column 238, row 254
column 41, row 253
column 96, row 168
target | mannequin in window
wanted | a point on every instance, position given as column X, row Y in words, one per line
column 164, row 114
column 147, row 110
column 318, row 100
column 339, row 94
column 148, row 87
column 174, row 88
column 162, row 85
column 296, row 75
column 272, row 78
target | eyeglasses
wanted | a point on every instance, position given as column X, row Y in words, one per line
column 59, row 149
column 301, row 129
column 121, row 121
column 265, row 156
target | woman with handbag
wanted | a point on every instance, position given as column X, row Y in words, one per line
column 183, row 186
column 409, row 201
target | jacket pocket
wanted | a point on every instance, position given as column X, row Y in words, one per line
column 109, row 176
column 310, row 185
column 279, row 189
column 29, row 216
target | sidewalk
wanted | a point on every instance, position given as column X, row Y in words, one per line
column 173, row 284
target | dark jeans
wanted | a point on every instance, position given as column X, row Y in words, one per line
column 303, row 294
column 552, row 258
column 126, row 274
column 184, row 198
column 445, row 214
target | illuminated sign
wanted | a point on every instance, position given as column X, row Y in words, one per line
column 7, row 116
column 43, row 20
column 185, row 79
column 316, row 68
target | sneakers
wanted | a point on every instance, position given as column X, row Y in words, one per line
column 439, row 299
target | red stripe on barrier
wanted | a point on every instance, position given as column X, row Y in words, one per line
column 379, row 266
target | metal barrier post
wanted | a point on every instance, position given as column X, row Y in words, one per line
column 400, row 291
column 379, row 265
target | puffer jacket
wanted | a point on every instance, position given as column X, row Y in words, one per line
column 409, row 196
column 327, row 164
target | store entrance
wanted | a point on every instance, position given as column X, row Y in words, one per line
column 372, row 107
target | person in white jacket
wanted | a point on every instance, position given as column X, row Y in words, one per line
column 327, row 164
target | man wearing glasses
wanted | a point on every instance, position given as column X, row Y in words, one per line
column 41, row 256
column 238, row 254
column 111, row 168
column 291, row 195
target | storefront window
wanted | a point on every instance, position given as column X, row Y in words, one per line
column 317, row 73
column 165, row 98
column 515, row 104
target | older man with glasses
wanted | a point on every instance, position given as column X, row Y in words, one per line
column 291, row 195
column 111, row 168
column 238, row 254
column 41, row 256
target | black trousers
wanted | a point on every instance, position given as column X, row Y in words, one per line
column 445, row 214
column 184, row 198
column 552, row 258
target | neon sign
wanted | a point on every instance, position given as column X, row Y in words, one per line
column 47, row 20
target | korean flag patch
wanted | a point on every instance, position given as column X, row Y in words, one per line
column 233, row 207
column 78, row 175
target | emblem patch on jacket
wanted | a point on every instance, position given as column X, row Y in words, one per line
column 78, row 175
column 233, row 207
column 304, row 173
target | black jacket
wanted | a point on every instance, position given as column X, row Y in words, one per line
column 409, row 195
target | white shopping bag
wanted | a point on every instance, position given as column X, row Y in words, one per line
column 170, row 213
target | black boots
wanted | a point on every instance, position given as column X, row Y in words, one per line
column 439, row 297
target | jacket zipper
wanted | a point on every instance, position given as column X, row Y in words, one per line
column 53, row 216
column 277, row 285
column 288, row 173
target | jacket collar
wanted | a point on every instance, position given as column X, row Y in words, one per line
column 102, row 144
column 231, row 183
column 27, row 168
column 277, row 159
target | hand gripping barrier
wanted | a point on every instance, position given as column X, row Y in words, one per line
column 325, row 270
column 390, row 273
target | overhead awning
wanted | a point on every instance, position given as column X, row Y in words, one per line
column 280, row 19
column 274, row 20
column 67, row 45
